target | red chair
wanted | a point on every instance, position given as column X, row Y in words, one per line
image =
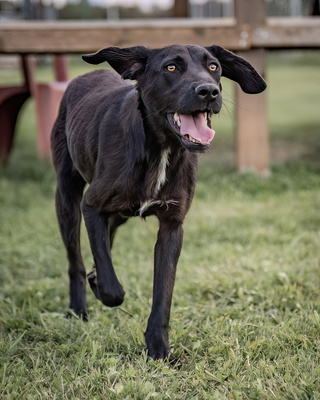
column 12, row 99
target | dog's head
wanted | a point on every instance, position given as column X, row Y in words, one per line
column 180, row 85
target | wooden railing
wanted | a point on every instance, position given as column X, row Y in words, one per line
column 36, row 37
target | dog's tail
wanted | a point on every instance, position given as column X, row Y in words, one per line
column 59, row 148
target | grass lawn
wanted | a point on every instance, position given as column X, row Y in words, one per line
column 246, row 309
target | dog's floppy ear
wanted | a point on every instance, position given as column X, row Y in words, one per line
column 239, row 70
column 128, row 62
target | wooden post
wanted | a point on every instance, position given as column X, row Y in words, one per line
column 180, row 9
column 60, row 68
column 252, row 136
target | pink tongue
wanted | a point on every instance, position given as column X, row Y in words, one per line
column 196, row 126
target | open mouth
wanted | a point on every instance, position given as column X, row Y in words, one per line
column 193, row 129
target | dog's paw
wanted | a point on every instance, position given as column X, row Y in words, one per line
column 111, row 297
column 158, row 348
column 80, row 314
column 165, row 356
column 174, row 361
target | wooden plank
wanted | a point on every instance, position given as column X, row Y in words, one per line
column 284, row 33
column 79, row 37
column 76, row 37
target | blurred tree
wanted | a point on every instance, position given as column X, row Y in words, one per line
column 85, row 9
column 9, row 9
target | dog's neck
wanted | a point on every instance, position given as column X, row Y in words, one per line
column 154, row 127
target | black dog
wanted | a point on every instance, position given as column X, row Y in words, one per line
column 136, row 147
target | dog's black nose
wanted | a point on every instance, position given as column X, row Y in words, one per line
column 208, row 92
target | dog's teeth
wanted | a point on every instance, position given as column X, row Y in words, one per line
column 191, row 139
column 176, row 119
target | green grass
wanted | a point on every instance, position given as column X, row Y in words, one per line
column 245, row 315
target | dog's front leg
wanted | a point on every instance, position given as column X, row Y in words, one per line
column 107, row 288
column 167, row 252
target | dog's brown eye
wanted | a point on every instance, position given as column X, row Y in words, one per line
column 213, row 67
column 171, row 68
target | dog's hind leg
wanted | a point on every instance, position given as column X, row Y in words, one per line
column 103, row 279
column 68, row 198
column 70, row 186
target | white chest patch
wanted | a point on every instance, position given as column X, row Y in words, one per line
column 164, row 162
column 160, row 180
